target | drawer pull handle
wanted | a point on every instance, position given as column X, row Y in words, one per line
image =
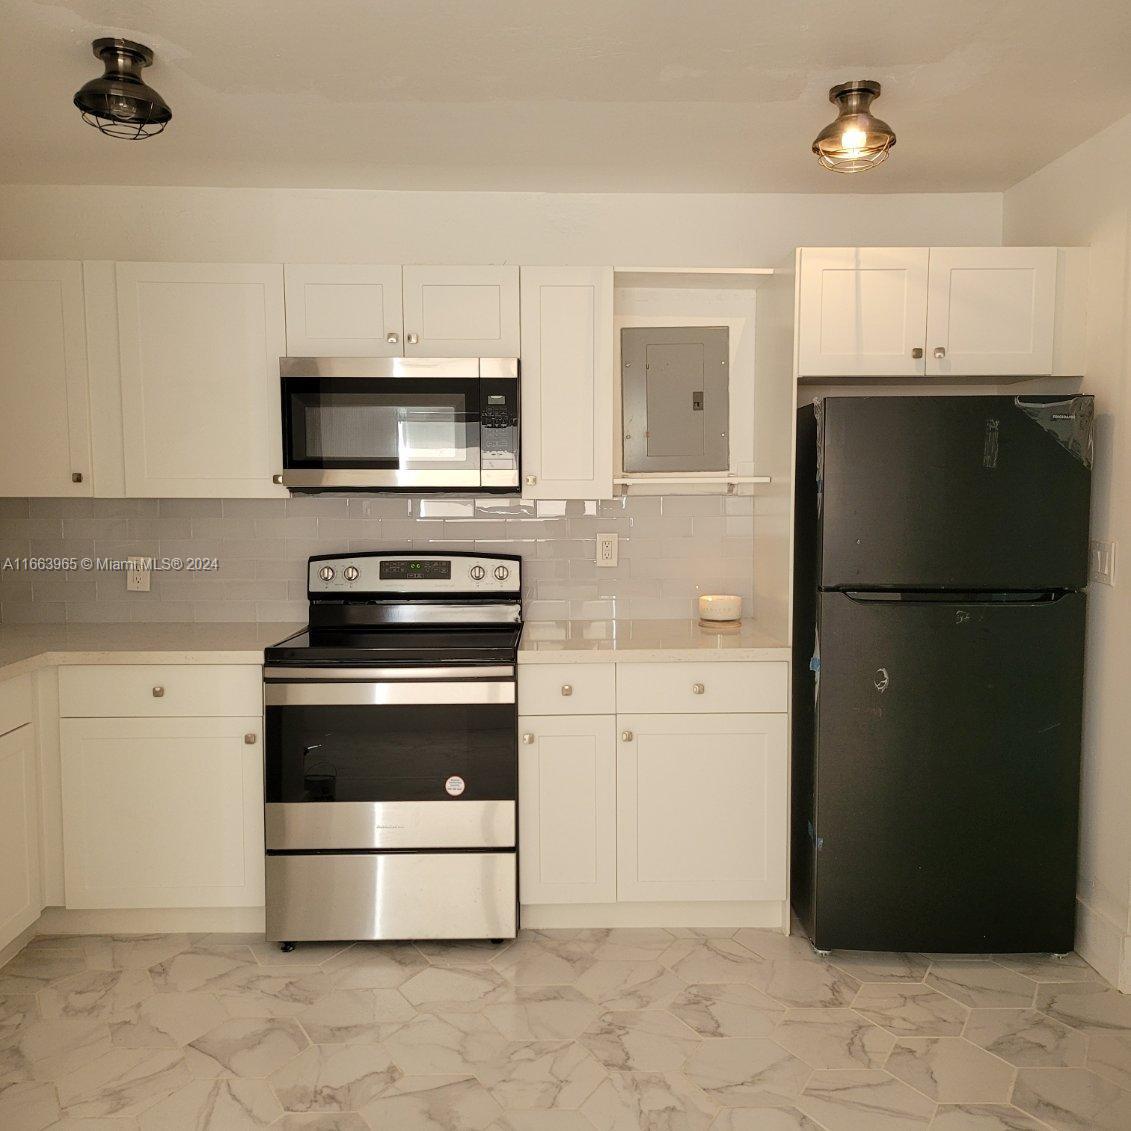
column 528, row 739
column 158, row 692
column 567, row 689
column 250, row 738
column 697, row 689
column 626, row 736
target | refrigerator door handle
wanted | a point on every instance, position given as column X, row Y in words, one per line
column 956, row 597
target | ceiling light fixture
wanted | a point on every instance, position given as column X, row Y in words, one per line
column 119, row 103
column 856, row 140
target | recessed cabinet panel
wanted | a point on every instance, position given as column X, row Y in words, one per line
column 676, row 391
column 20, row 902
column 343, row 310
column 44, row 401
column 461, row 311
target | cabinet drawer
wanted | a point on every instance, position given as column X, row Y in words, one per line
column 160, row 690
column 708, row 687
column 566, row 689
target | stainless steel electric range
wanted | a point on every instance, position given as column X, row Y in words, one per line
column 390, row 761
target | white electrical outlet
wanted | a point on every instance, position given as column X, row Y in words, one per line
column 607, row 549
column 137, row 576
column 1101, row 561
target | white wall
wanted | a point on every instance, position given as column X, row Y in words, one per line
column 345, row 226
column 1084, row 198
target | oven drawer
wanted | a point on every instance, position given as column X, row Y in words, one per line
column 714, row 686
column 160, row 690
column 566, row 689
column 390, row 824
column 403, row 895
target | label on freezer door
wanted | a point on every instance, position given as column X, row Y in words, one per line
column 455, row 785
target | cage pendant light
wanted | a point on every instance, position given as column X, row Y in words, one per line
column 119, row 103
column 856, row 140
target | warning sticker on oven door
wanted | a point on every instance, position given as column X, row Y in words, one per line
column 455, row 785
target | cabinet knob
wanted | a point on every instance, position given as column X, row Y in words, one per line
column 697, row 689
column 392, row 338
column 412, row 339
column 626, row 736
column 158, row 692
column 76, row 476
column 250, row 738
column 277, row 479
column 940, row 352
column 528, row 739
column 567, row 688
column 530, row 480
column 917, row 352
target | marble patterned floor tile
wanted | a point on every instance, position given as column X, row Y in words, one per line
column 544, row 962
column 249, row 1047
column 215, row 1105
column 555, row 1119
column 951, row 1070
column 50, row 1050
column 304, row 953
column 455, row 989
column 542, row 1075
column 322, row 1121
column 1088, row 1006
column 230, row 938
column 1026, row 1038
column 640, row 1040
column 432, row 1046
column 982, row 984
column 1072, row 1098
column 134, row 952
column 712, row 960
column 805, row 984
column 716, row 1009
column 167, row 1020
column 199, row 968
column 122, row 1083
column 628, row 985
column 57, row 942
column 649, row 1101
column 1049, row 967
column 355, row 1016
column 1109, row 1056
column 763, row 1119
column 542, row 1013
column 28, row 1107
column 909, row 1010
column 702, row 932
column 329, row 1078
column 833, row 1038
column 983, row 1117
column 747, row 1072
column 32, row 970
column 864, row 1100
column 374, row 966
column 95, row 994
column 871, row 966
column 259, row 991
column 631, row 944
column 460, row 952
column 774, row 944
column 434, row 1103
column 16, row 1011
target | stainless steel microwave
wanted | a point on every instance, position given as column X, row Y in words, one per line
column 400, row 423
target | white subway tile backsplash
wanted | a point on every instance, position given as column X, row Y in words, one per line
column 671, row 549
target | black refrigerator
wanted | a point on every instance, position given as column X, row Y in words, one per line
column 941, row 555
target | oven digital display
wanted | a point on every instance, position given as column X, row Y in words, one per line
column 406, row 569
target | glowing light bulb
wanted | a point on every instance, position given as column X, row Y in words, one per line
column 853, row 139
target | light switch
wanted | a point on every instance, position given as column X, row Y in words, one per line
column 1101, row 559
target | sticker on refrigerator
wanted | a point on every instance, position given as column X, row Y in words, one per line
column 455, row 785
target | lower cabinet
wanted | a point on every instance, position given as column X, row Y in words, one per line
column 568, row 795
column 20, row 898
column 162, row 812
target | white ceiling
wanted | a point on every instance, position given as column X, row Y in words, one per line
column 569, row 95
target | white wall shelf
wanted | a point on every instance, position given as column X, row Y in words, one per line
column 713, row 277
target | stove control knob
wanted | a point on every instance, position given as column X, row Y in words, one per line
column 351, row 573
column 502, row 573
column 326, row 573
column 477, row 573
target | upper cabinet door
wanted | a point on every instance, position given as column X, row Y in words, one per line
column 567, row 382
column 460, row 311
column 863, row 312
column 200, row 346
column 343, row 311
column 991, row 311
column 44, row 401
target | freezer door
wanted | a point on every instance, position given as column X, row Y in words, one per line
column 955, row 492
column 947, row 774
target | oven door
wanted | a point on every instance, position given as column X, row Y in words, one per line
column 391, row 762
column 382, row 422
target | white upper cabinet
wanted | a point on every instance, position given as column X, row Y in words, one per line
column 862, row 311
column 460, row 311
column 567, row 382
column 991, row 311
column 343, row 310
column 200, row 347
column 44, row 401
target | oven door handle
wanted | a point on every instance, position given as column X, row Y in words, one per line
column 385, row 694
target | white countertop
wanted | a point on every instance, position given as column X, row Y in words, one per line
column 25, row 647
column 555, row 641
